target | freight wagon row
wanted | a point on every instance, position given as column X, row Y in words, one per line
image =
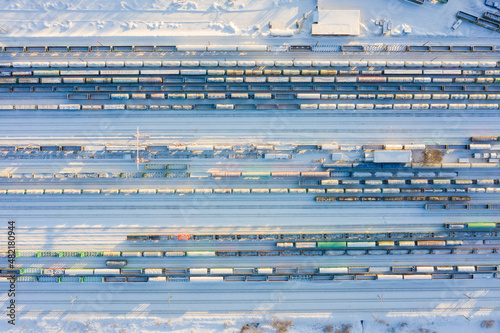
column 249, row 63
column 257, row 63
column 248, row 271
column 391, row 191
column 230, row 106
column 252, row 278
column 176, row 147
column 327, row 174
column 293, row 237
column 422, row 198
column 21, row 78
column 327, row 91
column 418, row 106
column 96, row 175
column 271, row 191
column 326, row 248
column 485, row 23
column 323, row 76
column 281, row 96
column 277, row 174
column 419, row 181
column 286, row 274
column 405, row 243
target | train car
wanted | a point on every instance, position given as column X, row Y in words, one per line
column 175, row 254
column 361, row 244
column 22, row 73
column 371, row 79
column 98, row 80
column 137, row 237
column 221, row 271
column 73, row 80
column 406, row 243
column 431, row 243
column 333, row 270
column 150, row 80
column 11, row 271
column 332, row 244
column 393, row 198
column 8, row 80
column 157, row 238
column 284, row 244
column 438, row 198
column 348, row 198
column 326, row 199
column 411, row 190
column 79, row 271
column 116, row 263
column 464, row 198
column 483, row 225
column 106, row 271
column 416, row 198
column 456, row 226
column 153, row 271
column 200, row 254
column 301, row 245
column 53, row 271
column 120, row 96
column 484, row 138
column 46, row 73
column 111, row 254
column 152, row 254
column 371, row 199
column 131, row 271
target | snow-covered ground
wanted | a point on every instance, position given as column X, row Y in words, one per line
column 267, row 323
column 218, row 18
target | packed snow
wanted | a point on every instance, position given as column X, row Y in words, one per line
column 258, row 323
column 67, row 18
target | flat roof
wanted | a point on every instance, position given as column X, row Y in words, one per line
column 392, row 156
column 336, row 22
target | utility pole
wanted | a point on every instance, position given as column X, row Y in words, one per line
column 139, row 135
column 137, row 147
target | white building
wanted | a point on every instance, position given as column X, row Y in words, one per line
column 329, row 21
